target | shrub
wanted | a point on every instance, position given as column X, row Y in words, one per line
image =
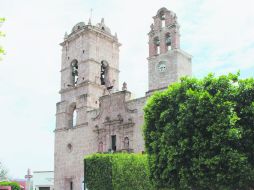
column 98, row 172
column 117, row 172
column 14, row 185
column 199, row 134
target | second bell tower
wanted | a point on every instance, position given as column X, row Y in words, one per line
column 167, row 63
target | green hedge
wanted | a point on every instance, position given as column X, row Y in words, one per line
column 199, row 134
column 117, row 172
column 14, row 185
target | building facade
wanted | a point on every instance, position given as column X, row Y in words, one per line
column 43, row 180
column 94, row 115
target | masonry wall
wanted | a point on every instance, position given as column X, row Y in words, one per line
column 72, row 144
column 101, row 114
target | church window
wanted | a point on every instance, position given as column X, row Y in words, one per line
column 157, row 45
column 113, row 143
column 163, row 23
column 104, row 67
column 162, row 17
column 74, row 118
column 168, row 41
column 73, row 115
column 126, row 143
column 71, row 185
column 74, row 66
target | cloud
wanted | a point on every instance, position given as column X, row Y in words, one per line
column 222, row 38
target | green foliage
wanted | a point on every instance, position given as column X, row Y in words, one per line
column 199, row 134
column 98, row 171
column 130, row 172
column 117, row 172
column 14, row 185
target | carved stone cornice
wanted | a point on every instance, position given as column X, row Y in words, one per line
column 72, row 128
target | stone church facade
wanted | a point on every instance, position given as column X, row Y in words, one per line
column 93, row 115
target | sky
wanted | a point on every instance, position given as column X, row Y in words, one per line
column 219, row 34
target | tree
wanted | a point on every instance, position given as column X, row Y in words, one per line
column 3, row 172
column 199, row 134
column 14, row 185
column 1, row 35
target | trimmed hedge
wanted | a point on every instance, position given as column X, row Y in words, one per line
column 117, row 172
column 199, row 134
column 14, row 185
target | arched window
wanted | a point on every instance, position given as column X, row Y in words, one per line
column 163, row 23
column 168, row 41
column 73, row 115
column 126, row 143
column 100, row 147
column 104, row 72
column 74, row 118
column 157, row 45
column 162, row 17
column 74, row 67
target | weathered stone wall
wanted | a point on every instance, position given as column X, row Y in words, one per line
column 88, row 45
column 138, row 119
column 117, row 115
column 164, row 46
column 101, row 114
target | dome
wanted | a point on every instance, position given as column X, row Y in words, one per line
column 162, row 10
column 78, row 26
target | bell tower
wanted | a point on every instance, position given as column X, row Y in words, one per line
column 89, row 69
column 167, row 63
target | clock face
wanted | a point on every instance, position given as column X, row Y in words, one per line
column 161, row 67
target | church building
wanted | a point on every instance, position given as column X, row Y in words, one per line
column 93, row 114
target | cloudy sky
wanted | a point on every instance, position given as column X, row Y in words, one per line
column 218, row 33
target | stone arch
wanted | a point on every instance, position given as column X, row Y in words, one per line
column 73, row 115
column 104, row 73
column 168, row 41
column 163, row 18
column 156, row 41
column 163, row 9
column 74, row 72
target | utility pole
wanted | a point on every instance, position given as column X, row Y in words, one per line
column 28, row 177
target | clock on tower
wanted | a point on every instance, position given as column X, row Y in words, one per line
column 167, row 63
